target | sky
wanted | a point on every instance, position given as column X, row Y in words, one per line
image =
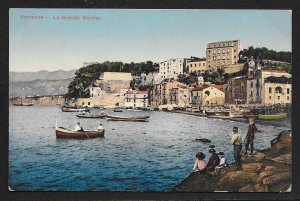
column 131, row 35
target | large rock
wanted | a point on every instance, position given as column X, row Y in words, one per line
column 252, row 167
column 233, row 181
column 248, row 188
column 277, row 178
column 285, row 158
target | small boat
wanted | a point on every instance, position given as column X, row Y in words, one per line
column 272, row 116
column 67, row 133
column 74, row 109
column 126, row 117
column 89, row 115
column 23, row 104
column 118, row 110
column 134, row 119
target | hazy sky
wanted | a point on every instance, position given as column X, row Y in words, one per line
column 135, row 35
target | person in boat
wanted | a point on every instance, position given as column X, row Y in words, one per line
column 102, row 112
column 78, row 127
column 100, row 127
column 200, row 164
column 236, row 140
column 222, row 163
column 214, row 160
column 250, row 136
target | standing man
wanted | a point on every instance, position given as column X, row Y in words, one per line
column 250, row 134
column 236, row 140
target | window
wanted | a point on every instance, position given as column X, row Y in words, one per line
column 234, row 57
column 270, row 97
column 270, row 90
column 288, row 91
column 288, row 98
column 228, row 50
column 251, row 84
column 219, row 51
column 82, row 103
column 203, row 64
column 223, row 57
column 251, row 94
column 234, row 50
column 228, row 56
column 223, row 51
column 214, row 51
column 278, row 97
column 89, row 103
column 219, row 57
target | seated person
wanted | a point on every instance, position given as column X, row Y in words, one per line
column 78, row 128
column 214, row 160
column 199, row 163
column 222, row 163
column 100, row 127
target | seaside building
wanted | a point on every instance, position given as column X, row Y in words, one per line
column 269, row 87
column 173, row 94
column 236, row 90
column 196, row 65
column 96, row 91
column 222, row 54
column 171, row 68
column 208, row 95
column 136, row 99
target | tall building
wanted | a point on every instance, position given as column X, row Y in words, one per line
column 171, row 68
column 223, row 53
column 136, row 99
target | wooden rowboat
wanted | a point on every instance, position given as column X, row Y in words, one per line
column 92, row 116
column 68, row 109
column 127, row 117
column 67, row 133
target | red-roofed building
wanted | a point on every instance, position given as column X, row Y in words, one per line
column 208, row 95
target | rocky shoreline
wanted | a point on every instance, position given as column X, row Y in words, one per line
column 268, row 170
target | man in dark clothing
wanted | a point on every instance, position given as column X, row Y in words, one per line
column 214, row 161
column 250, row 134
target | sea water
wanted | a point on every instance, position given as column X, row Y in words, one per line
column 133, row 156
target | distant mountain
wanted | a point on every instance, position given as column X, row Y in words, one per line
column 39, row 87
column 40, row 75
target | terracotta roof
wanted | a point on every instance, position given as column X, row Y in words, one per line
column 218, row 86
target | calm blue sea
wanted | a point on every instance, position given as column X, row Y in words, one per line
column 133, row 156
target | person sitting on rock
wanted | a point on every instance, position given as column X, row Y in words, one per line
column 214, row 160
column 199, row 163
column 222, row 163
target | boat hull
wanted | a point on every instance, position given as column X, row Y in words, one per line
column 272, row 116
column 74, row 109
column 91, row 116
column 135, row 120
column 124, row 117
column 63, row 133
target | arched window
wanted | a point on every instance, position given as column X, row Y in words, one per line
column 278, row 90
column 207, row 93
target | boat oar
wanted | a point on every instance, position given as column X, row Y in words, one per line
column 86, row 134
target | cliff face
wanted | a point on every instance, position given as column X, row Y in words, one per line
column 39, row 101
column 267, row 170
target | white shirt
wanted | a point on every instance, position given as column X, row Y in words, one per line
column 100, row 128
column 236, row 139
column 77, row 127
